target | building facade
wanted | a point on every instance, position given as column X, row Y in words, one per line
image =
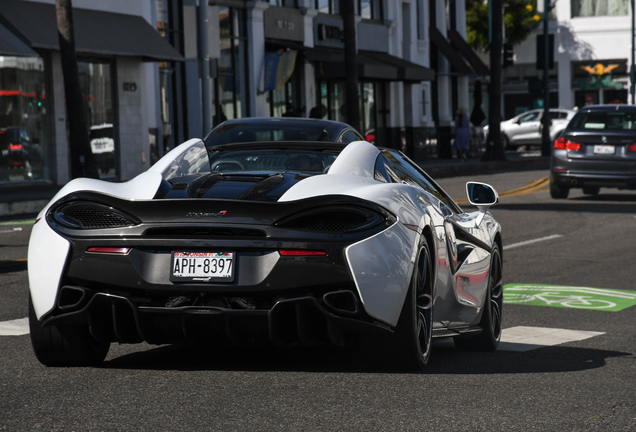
column 592, row 58
column 224, row 59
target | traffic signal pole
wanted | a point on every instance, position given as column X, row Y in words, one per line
column 545, row 121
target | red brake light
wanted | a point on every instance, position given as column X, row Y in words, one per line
column 109, row 250
column 562, row 143
column 301, row 252
column 632, row 148
column 15, row 146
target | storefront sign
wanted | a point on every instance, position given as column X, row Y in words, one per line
column 284, row 24
column 596, row 83
column 130, row 86
column 328, row 32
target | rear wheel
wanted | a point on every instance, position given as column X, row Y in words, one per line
column 591, row 190
column 488, row 339
column 70, row 345
column 558, row 191
column 409, row 348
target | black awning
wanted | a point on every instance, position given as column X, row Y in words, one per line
column 96, row 32
column 449, row 52
column 407, row 71
column 11, row 45
column 371, row 65
column 467, row 52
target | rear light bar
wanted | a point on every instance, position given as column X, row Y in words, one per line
column 632, row 148
column 562, row 143
column 15, row 146
column 301, row 252
column 109, row 250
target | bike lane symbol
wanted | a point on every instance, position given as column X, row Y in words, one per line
column 611, row 300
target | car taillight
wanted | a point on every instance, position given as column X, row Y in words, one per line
column 15, row 146
column 109, row 250
column 301, row 252
column 632, row 148
column 562, row 143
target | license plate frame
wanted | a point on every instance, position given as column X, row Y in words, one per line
column 604, row 149
column 195, row 260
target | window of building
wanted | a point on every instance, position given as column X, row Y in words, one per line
column 231, row 93
column 596, row 8
column 284, row 3
column 24, row 147
column 95, row 85
column 328, row 6
column 332, row 99
column 370, row 9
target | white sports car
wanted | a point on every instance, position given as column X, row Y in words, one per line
column 284, row 243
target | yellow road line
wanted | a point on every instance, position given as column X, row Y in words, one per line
column 534, row 187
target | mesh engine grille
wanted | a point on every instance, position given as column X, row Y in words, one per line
column 96, row 218
column 337, row 221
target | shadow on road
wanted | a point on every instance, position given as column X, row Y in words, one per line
column 599, row 204
column 12, row 266
column 444, row 360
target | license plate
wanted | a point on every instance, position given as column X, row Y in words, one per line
column 604, row 149
column 202, row 267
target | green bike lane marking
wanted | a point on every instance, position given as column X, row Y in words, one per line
column 22, row 222
column 611, row 300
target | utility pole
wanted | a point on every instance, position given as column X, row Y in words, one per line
column 494, row 146
column 546, row 121
column 351, row 62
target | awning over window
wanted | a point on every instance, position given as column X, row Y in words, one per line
column 371, row 65
column 101, row 33
column 467, row 52
column 447, row 50
column 11, row 45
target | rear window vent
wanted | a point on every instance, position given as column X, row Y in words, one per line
column 91, row 216
column 339, row 220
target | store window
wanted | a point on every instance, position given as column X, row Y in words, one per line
column 24, row 147
column 370, row 9
column 284, row 3
column 596, row 8
column 332, row 102
column 95, row 85
column 328, row 6
column 231, row 85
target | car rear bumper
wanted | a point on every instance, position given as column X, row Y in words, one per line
column 581, row 173
column 298, row 321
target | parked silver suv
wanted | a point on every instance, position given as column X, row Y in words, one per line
column 525, row 129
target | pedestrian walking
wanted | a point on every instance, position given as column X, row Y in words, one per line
column 462, row 133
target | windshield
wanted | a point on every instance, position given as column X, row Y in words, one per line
column 283, row 131
column 312, row 162
column 608, row 120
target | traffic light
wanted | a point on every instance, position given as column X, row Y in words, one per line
column 508, row 55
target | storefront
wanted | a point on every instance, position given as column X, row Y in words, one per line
column 117, row 93
column 600, row 82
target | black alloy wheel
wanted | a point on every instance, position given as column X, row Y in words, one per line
column 69, row 345
column 411, row 343
column 491, row 324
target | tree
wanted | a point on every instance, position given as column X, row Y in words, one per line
column 520, row 18
column 81, row 156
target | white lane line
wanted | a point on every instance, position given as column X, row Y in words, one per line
column 527, row 242
column 11, row 230
column 522, row 338
column 16, row 327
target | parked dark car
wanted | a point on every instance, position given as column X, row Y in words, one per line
column 17, row 152
column 281, row 129
column 597, row 149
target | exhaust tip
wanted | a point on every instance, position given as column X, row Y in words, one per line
column 342, row 301
column 70, row 297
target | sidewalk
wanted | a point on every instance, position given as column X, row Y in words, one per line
column 28, row 199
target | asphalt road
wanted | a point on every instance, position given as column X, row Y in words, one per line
column 581, row 385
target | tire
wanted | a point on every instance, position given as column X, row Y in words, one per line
column 409, row 348
column 591, row 190
column 505, row 142
column 559, row 192
column 69, row 345
column 490, row 323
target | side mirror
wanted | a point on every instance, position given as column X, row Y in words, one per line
column 481, row 194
